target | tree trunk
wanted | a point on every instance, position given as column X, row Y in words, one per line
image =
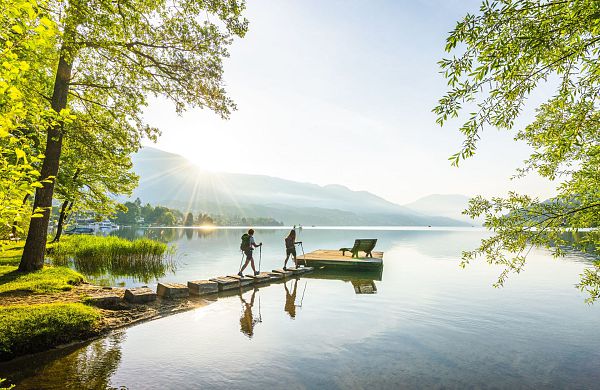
column 13, row 232
column 35, row 245
column 61, row 220
column 65, row 209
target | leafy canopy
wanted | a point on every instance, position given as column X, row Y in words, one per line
column 26, row 37
column 500, row 55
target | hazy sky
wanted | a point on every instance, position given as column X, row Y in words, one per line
column 341, row 92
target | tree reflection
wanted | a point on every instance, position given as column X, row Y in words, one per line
column 90, row 367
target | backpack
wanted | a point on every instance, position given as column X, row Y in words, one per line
column 245, row 245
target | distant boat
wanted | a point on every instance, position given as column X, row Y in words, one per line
column 102, row 226
column 80, row 230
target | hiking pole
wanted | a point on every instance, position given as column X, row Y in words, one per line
column 303, row 291
column 259, row 313
column 259, row 256
column 241, row 261
column 303, row 254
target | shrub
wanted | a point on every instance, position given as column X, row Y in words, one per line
column 31, row 328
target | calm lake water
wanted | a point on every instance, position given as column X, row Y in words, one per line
column 429, row 324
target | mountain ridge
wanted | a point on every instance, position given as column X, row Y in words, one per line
column 171, row 180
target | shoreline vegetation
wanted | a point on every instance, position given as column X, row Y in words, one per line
column 55, row 305
column 96, row 256
column 137, row 214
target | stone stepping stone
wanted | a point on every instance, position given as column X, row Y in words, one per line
column 172, row 290
column 284, row 273
column 202, row 287
column 301, row 270
column 140, row 295
column 262, row 277
column 276, row 275
column 104, row 301
column 295, row 271
column 226, row 283
column 243, row 281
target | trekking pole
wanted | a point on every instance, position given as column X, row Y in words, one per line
column 241, row 261
column 259, row 313
column 259, row 256
column 303, row 254
column 303, row 291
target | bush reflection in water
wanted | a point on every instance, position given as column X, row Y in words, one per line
column 102, row 259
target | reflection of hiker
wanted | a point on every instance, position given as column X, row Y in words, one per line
column 290, row 248
column 247, row 320
column 290, row 299
column 247, row 246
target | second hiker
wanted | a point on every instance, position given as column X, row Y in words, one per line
column 290, row 248
column 247, row 246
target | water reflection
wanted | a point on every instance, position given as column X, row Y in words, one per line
column 430, row 324
column 290, row 299
column 364, row 286
column 363, row 282
column 88, row 367
column 247, row 319
column 345, row 275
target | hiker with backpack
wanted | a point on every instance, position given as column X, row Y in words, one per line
column 247, row 246
column 290, row 248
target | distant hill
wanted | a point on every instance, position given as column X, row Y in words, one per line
column 444, row 205
column 171, row 180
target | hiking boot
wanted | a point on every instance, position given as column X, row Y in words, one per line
column 285, row 268
column 240, row 274
column 256, row 273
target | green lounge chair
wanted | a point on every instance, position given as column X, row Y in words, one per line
column 364, row 245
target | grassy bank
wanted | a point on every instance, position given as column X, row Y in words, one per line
column 30, row 322
column 31, row 328
column 10, row 253
column 46, row 280
column 95, row 256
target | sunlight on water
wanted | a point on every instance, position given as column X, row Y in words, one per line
column 424, row 322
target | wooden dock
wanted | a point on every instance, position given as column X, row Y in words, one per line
column 334, row 259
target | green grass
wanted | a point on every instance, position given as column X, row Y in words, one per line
column 2, row 380
column 10, row 252
column 96, row 256
column 31, row 328
column 47, row 280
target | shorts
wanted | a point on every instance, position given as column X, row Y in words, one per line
column 248, row 253
column 290, row 251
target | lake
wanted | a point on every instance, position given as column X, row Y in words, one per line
column 422, row 323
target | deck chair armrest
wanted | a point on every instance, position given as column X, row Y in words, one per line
column 344, row 250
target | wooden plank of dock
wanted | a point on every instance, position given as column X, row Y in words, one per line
column 334, row 258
